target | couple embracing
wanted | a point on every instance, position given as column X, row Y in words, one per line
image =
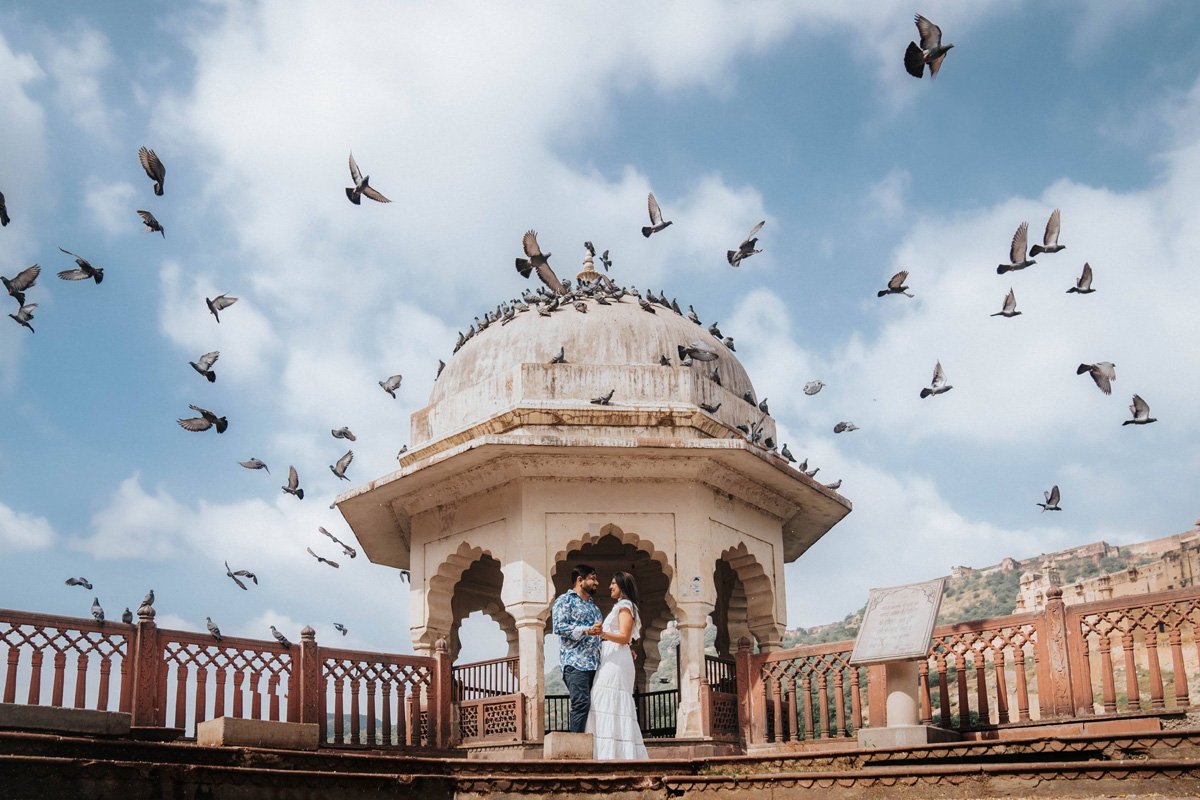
column 597, row 664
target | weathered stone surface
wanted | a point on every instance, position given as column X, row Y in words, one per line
column 561, row 745
column 231, row 732
column 904, row 736
column 64, row 720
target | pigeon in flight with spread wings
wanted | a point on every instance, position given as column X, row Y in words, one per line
column 85, row 271
column 340, row 468
column 896, row 285
column 206, row 420
column 539, row 262
column 1010, row 306
column 347, row 549
column 1050, row 239
column 293, row 484
column 1141, row 413
column 245, row 573
column 361, row 186
column 656, row 220
column 151, row 223
column 204, row 365
column 392, row 384
column 343, row 433
column 1016, row 251
column 931, row 51
column 812, row 387
column 24, row 314
column 1052, row 498
column 1084, row 284
column 218, row 304
column 154, row 169
column 25, row 279
column 939, row 385
column 254, row 463
column 80, row 582
column 340, row 628
column 746, row 248
column 1102, row 372
column 322, row 559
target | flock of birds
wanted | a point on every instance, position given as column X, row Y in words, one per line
column 558, row 295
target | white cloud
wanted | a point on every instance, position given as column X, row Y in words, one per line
column 22, row 531
column 77, row 67
column 135, row 524
column 109, row 205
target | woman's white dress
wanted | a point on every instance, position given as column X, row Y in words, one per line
column 612, row 720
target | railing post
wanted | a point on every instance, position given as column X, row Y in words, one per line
column 1057, row 699
column 440, row 708
column 310, row 681
column 705, row 706
column 751, row 710
column 147, row 665
column 877, row 696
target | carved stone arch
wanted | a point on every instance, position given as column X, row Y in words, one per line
column 747, row 594
column 446, row 607
column 626, row 538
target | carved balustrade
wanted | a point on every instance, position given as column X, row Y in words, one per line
column 488, row 703
column 718, row 697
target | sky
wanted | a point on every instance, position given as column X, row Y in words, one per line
column 481, row 121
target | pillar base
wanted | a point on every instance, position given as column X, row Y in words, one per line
column 904, row 736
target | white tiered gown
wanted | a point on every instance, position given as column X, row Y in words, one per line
column 612, row 720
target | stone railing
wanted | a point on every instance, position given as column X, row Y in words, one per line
column 172, row 680
column 1056, row 665
column 488, row 704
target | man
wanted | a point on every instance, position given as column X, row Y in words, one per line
column 577, row 623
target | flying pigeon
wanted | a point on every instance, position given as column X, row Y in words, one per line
column 698, row 350
column 219, row 303
column 97, row 611
column 212, row 628
column 347, row 549
column 392, row 384
column 127, row 616
column 323, row 560
column 664, row 360
column 787, row 454
column 151, row 223
column 231, row 574
column 4, row 220
column 85, row 271
column 931, row 51
column 24, row 314
column 1051, row 503
column 204, row 365
column 80, row 582
column 1010, row 306
column 746, row 248
column 24, row 280
column 342, row 463
column 812, row 387
column 1050, row 239
column 340, row 628
column 538, row 262
column 441, row 366
column 835, row 485
column 361, row 186
column 1084, row 284
column 1016, row 251
column 206, row 420
column 896, row 285
column 1141, row 413
column 279, row 637
column 939, row 385
column 343, row 433
column 293, row 484
column 606, row 261
column 710, row 408
column 148, row 600
column 844, row 427
column 254, row 463
column 603, row 399
column 1103, row 373
column 154, row 169
column 656, row 220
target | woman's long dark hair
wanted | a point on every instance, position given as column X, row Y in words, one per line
column 628, row 587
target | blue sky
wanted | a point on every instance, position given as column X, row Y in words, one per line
column 482, row 122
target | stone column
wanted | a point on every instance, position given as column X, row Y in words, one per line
column 531, row 633
column 691, row 623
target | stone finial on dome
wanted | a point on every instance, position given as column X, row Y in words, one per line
column 589, row 273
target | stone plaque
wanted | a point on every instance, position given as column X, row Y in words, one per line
column 898, row 623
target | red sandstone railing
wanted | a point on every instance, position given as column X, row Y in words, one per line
column 1056, row 664
column 174, row 680
column 488, row 703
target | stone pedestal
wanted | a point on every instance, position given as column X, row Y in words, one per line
column 232, row 732
column 560, row 745
column 903, row 713
column 64, row 720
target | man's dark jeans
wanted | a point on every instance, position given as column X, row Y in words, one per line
column 579, row 684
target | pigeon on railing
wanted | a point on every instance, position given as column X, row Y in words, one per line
column 279, row 637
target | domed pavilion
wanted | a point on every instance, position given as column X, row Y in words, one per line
column 514, row 476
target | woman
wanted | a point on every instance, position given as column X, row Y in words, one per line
column 612, row 720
